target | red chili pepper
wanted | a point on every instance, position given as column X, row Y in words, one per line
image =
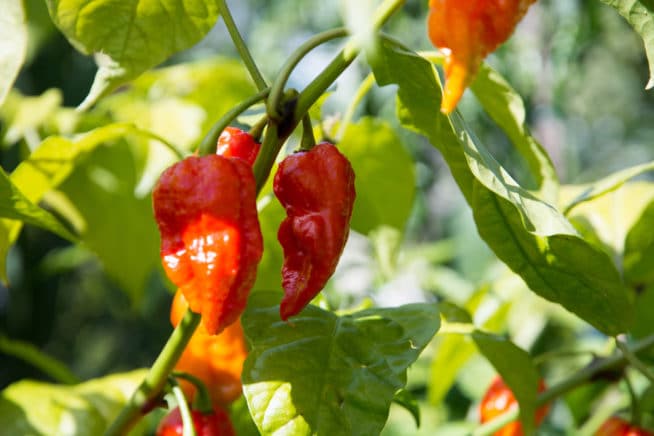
column 216, row 423
column 316, row 188
column 211, row 241
column 616, row 426
column 470, row 29
column 235, row 142
column 499, row 399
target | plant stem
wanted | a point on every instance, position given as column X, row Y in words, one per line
column 209, row 142
column 344, row 58
column 146, row 395
column 239, row 43
column 277, row 88
column 202, row 400
column 574, row 381
column 266, row 159
column 308, row 140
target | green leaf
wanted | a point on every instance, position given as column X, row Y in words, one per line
column 640, row 14
column 130, row 36
column 385, row 176
column 608, row 184
column 505, row 106
column 16, row 206
column 516, row 369
column 13, row 44
column 528, row 234
column 405, row 399
column 30, row 407
column 321, row 374
column 644, row 317
column 638, row 262
column 120, row 228
column 610, row 216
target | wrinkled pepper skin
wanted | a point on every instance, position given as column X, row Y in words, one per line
column 499, row 399
column 216, row 423
column 616, row 426
column 217, row 360
column 316, row 188
column 234, row 142
column 470, row 29
column 211, row 240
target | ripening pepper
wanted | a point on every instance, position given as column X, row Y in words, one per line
column 214, row 423
column 470, row 30
column 217, row 360
column 234, row 142
column 316, row 188
column 616, row 426
column 211, row 240
column 499, row 399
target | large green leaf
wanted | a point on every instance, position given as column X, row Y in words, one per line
column 31, row 408
column 385, row 179
column 640, row 14
column 530, row 235
column 505, row 106
column 323, row 374
column 130, row 36
column 13, row 43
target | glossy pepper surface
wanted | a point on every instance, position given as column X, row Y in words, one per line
column 470, row 30
column 234, row 142
column 498, row 400
column 217, row 360
column 211, row 241
column 616, row 426
column 316, row 188
column 215, row 423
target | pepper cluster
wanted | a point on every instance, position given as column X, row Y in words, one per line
column 211, row 245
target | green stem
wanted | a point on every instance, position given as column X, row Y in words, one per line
column 209, row 142
column 239, row 43
column 146, row 395
column 576, row 380
column 634, row 360
column 266, row 159
column 202, row 400
column 344, row 58
column 187, row 418
column 277, row 88
column 364, row 88
column 308, row 140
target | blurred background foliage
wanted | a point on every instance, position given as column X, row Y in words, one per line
column 103, row 307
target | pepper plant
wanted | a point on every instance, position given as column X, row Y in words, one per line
column 242, row 192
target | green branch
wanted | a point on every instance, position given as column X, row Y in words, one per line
column 242, row 49
column 148, row 393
